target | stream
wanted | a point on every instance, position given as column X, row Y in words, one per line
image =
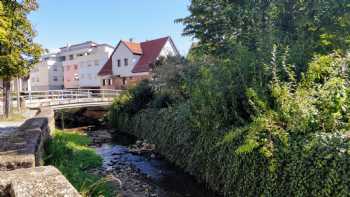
column 147, row 173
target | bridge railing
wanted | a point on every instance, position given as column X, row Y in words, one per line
column 61, row 97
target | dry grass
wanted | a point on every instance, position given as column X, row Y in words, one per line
column 14, row 117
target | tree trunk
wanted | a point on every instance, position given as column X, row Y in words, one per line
column 7, row 97
column 18, row 83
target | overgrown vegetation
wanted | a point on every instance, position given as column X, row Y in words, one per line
column 69, row 152
column 261, row 105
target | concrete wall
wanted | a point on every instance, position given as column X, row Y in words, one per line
column 21, row 153
column 24, row 148
column 36, row 182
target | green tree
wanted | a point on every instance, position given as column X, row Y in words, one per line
column 18, row 52
column 306, row 27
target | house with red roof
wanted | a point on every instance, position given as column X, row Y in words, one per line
column 132, row 62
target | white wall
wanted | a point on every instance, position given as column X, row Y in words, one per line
column 55, row 76
column 39, row 77
column 91, row 65
column 44, row 73
column 121, row 53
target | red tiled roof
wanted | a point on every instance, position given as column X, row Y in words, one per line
column 134, row 47
column 107, row 68
column 151, row 51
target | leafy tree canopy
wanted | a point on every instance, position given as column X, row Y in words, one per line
column 307, row 27
column 18, row 52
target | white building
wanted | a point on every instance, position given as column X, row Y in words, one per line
column 82, row 62
column 47, row 74
column 132, row 62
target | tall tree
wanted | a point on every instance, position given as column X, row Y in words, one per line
column 306, row 27
column 18, row 52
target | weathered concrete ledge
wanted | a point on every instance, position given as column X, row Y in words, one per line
column 45, row 181
column 24, row 147
column 21, row 152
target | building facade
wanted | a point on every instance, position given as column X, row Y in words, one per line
column 132, row 62
column 47, row 74
column 82, row 62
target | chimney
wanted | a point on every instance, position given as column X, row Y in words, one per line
column 131, row 39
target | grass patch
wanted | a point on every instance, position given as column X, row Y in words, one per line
column 69, row 152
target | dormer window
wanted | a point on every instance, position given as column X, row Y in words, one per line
column 126, row 62
column 119, row 63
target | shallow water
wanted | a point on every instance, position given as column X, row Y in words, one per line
column 172, row 181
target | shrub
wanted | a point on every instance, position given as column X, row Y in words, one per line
column 163, row 100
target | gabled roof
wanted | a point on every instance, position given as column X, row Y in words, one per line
column 151, row 51
column 107, row 68
column 134, row 47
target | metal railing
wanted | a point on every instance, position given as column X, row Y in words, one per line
column 63, row 97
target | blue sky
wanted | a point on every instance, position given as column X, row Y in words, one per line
column 59, row 22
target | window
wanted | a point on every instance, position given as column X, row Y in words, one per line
column 110, row 82
column 96, row 62
column 55, row 78
column 124, row 81
column 75, row 67
column 71, row 57
column 37, row 79
column 126, row 61
column 82, row 76
column 55, row 68
column 89, row 76
column 68, row 68
column 62, row 58
column 119, row 64
column 89, row 64
column 103, row 82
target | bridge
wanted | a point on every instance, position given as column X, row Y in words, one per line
column 63, row 99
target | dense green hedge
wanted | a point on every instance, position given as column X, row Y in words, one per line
column 320, row 169
column 295, row 141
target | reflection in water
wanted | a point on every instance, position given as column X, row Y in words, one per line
column 166, row 177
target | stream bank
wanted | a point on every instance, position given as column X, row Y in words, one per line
column 132, row 165
column 140, row 170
